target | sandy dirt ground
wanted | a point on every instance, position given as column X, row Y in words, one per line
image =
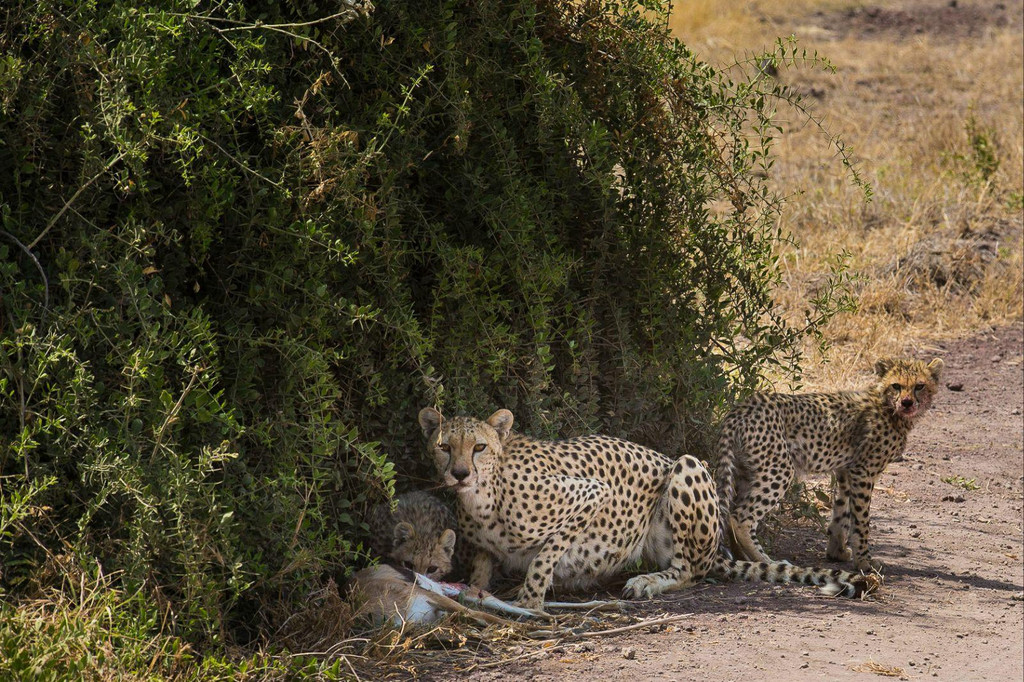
column 951, row 605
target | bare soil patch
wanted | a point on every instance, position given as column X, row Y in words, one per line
column 946, row 520
column 952, row 19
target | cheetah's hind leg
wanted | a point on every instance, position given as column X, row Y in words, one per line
column 744, row 542
column 839, row 528
column 683, row 536
column 767, row 483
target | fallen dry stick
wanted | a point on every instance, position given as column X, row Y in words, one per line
column 570, row 634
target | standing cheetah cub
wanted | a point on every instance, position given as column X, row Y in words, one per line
column 578, row 512
column 770, row 438
column 417, row 536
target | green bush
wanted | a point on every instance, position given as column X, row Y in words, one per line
column 243, row 243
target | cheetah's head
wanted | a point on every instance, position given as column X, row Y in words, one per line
column 465, row 449
column 908, row 385
column 428, row 554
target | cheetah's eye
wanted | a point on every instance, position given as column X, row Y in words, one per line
column 897, row 387
column 919, row 387
column 431, row 569
column 445, row 447
column 479, row 447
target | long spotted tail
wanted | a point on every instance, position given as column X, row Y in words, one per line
column 834, row 583
column 725, row 473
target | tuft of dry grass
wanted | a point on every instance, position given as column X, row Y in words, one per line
column 937, row 253
column 880, row 669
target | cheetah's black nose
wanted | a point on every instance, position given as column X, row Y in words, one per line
column 460, row 474
column 907, row 402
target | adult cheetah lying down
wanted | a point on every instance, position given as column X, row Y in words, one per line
column 577, row 512
column 770, row 438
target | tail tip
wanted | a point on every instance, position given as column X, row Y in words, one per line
column 856, row 587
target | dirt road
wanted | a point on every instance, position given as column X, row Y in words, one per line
column 947, row 521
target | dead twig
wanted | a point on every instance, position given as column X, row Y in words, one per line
column 495, row 664
column 39, row 267
column 74, row 196
column 569, row 635
column 172, row 416
column 598, row 605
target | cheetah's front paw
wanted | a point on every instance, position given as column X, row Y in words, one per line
column 839, row 554
column 530, row 602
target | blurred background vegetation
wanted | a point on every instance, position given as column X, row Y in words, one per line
column 241, row 244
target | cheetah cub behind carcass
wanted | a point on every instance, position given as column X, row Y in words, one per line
column 770, row 438
column 577, row 512
column 418, row 535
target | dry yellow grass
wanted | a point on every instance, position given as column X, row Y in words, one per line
column 903, row 106
column 880, row 669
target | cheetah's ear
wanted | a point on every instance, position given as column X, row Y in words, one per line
column 935, row 367
column 448, row 541
column 502, row 422
column 403, row 532
column 430, row 421
column 883, row 366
